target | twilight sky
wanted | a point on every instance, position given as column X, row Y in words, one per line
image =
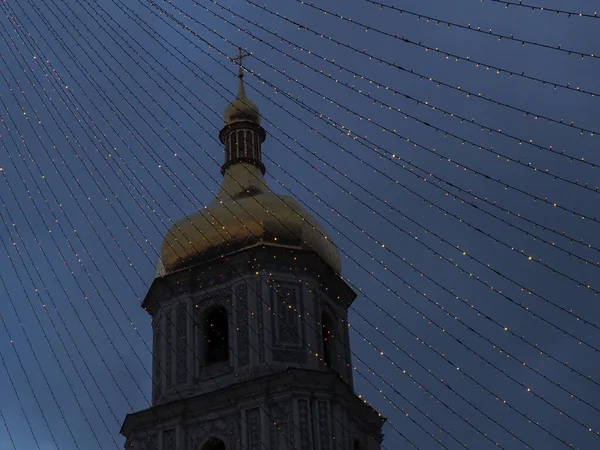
column 469, row 228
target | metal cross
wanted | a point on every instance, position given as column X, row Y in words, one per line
column 239, row 60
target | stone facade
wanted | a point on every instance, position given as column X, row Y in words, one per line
column 274, row 391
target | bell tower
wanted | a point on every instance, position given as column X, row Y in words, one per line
column 249, row 314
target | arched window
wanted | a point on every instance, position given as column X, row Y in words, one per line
column 213, row 444
column 327, row 329
column 216, row 335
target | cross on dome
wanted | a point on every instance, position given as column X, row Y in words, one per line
column 242, row 109
column 240, row 61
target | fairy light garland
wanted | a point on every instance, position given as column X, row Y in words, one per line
column 51, row 390
column 215, row 161
column 57, row 278
column 445, row 157
column 478, row 29
column 123, row 394
column 504, row 185
column 437, row 82
column 468, row 121
column 54, row 325
column 558, row 12
column 367, row 272
column 27, row 380
column 529, row 257
column 430, row 105
column 64, row 260
column 374, row 123
column 91, row 257
column 450, row 261
column 2, row 416
column 479, row 312
column 359, row 138
column 445, row 53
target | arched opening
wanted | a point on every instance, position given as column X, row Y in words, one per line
column 356, row 445
column 327, row 329
column 213, row 444
column 216, row 334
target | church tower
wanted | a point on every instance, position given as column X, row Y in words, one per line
column 249, row 315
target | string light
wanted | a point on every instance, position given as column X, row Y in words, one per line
column 12, row 383
column 447, row 54
column 508, row 37
column 394, row 161
column 423, row 77
column 508, row 3
column 360, row 76
column 34, row 353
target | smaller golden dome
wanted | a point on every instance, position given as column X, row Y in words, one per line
column 242, row 109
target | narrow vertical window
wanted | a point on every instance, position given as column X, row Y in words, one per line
column 248, row 152
column 181, row 344
column 241, row 144
column 256, row 146
column 169, row 441
column 228, row 148
column 169, row 348
column 288, row 316
column 327, row 336
column 216, row 334
column 158, row 363
column 234, row 145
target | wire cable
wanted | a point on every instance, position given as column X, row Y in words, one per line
column 569, row 14
column 12, row 383
column 447, row 54
column 507, row 245
column 361, row 76
column 421, row 76
column 508, row 37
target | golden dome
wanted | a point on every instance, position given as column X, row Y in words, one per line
column 244, row 212
column 242, row 109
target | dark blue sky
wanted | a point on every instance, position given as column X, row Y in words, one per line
column 110, row 115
